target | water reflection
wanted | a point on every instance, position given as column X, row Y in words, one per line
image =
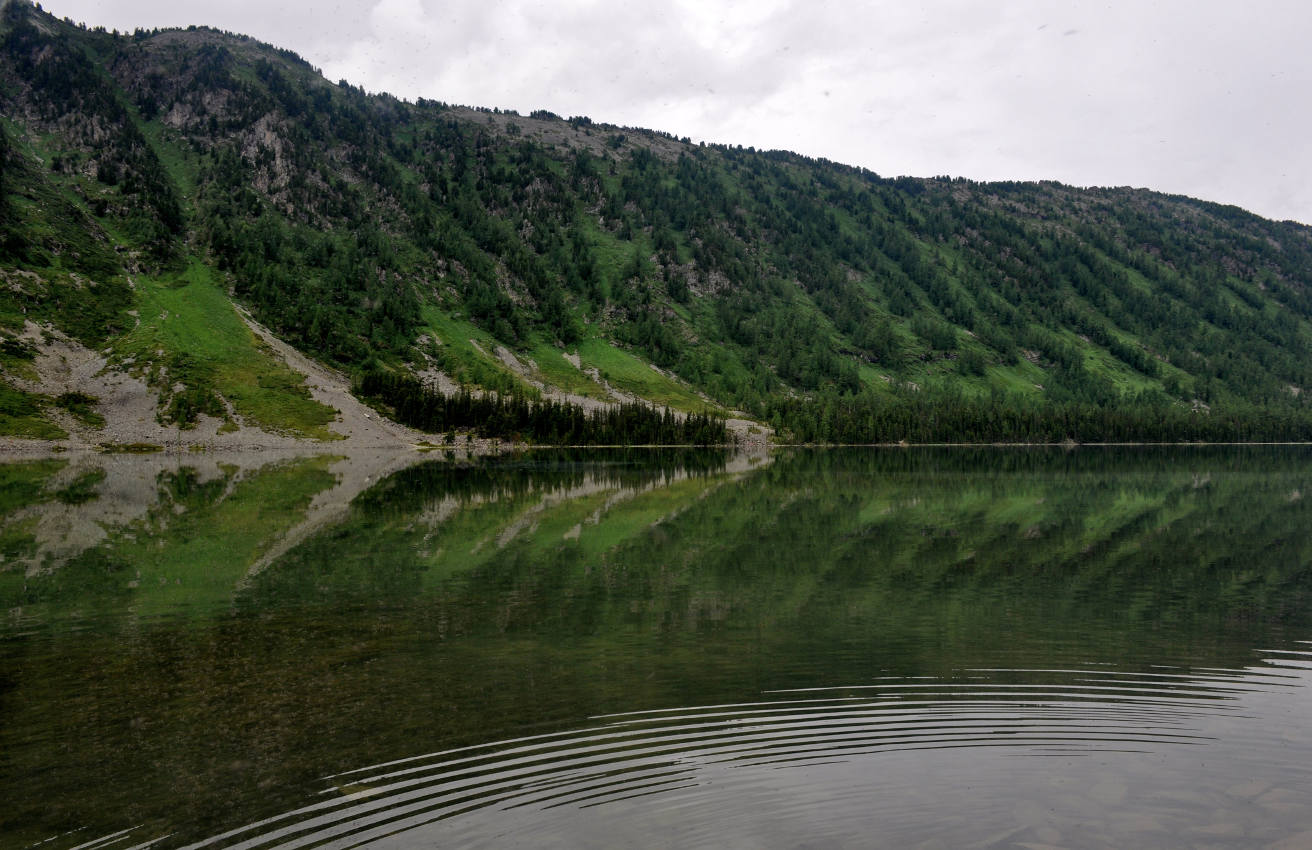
column 801, row 760
column 854, row 648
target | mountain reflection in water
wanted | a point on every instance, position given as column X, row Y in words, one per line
column 660, row 648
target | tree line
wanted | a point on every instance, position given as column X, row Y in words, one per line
column 545, row 422
column 948, row 417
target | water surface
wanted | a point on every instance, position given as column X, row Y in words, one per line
column 991, row 648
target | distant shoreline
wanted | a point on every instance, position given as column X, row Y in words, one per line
column 19, row 448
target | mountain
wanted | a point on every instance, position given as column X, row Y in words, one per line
column 156, row 185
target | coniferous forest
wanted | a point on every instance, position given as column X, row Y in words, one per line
column 193, row 170
column 545, row 422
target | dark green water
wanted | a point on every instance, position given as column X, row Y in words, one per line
column 847, row 648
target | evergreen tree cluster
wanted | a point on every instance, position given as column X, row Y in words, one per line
column 545, row 422
column 927, row 417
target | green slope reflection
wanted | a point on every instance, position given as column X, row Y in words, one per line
column 661, row 648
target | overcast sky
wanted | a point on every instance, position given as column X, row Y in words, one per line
column 1197, row 97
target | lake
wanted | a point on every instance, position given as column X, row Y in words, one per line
column 659, row 648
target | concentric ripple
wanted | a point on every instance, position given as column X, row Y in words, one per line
column 689, row 759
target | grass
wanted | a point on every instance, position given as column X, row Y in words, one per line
column 182, row 169
column 459, row 358
column 872, row 378
column 56, row 228
column 16, row 358
column 1018, row 377
column 463, row 361
column 466, row 354
column 22, row 414
column 1101, row 362
column 613, row 254
column 626, row 372
column 558, row 372
column 191, row 334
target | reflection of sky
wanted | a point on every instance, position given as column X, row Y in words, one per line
column 1192, row 98
column 1122, row 759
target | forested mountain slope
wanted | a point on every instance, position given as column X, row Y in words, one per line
column 147, row 174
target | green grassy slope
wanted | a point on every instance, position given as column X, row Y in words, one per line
column 190, row 336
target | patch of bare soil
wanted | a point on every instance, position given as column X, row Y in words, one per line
column 63, row 365
column 752, row 436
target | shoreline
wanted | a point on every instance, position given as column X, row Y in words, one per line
column 21, row 447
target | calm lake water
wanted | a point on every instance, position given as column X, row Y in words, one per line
column 829, row 648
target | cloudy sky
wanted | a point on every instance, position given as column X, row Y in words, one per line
column 1199, row 97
